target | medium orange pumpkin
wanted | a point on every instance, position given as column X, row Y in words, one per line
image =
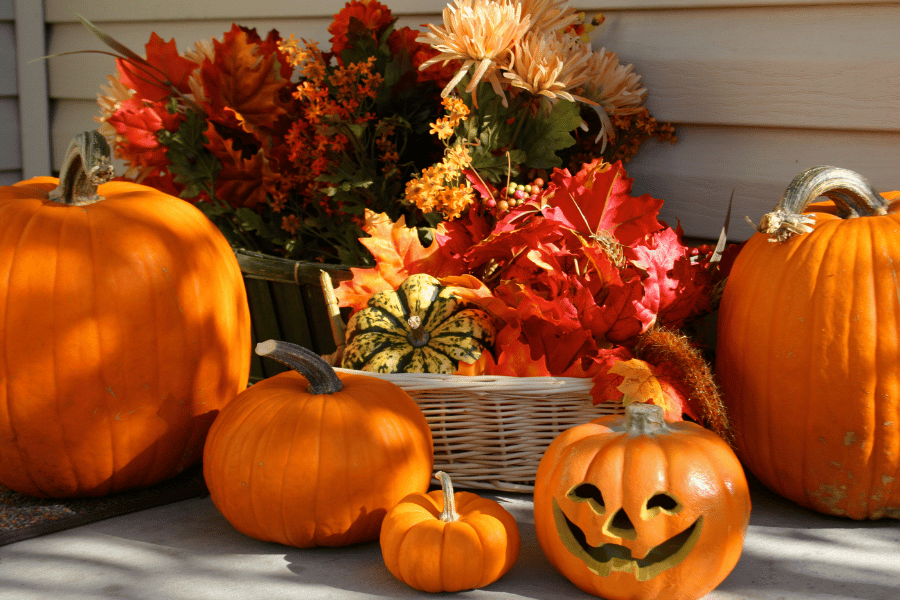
column 808, row 347
column 636, row 508
column 311, row 457
column 125, row 328
column 447, row 542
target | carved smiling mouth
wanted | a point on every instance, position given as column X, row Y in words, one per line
column 607, row 558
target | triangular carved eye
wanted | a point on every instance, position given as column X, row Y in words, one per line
column 588, row 492
column 661, row 502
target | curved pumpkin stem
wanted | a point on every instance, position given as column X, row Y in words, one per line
column 849, row 190
column 322, row 378
column 449, row 514
column 644, row 419
column 85, row 166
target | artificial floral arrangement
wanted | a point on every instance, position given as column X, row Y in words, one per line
column 286, row 146
column 487, row 152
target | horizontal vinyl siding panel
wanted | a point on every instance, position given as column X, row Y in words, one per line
column 8, row 86
column 824, row 67
column 696, row 176
column 11, row 150
column 128, row 10
column 10, row 177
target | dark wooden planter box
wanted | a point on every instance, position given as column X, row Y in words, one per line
column 286, row 303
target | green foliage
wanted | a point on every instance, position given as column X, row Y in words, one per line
column 527, row 133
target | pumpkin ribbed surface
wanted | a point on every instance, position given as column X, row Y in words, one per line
column 422, row 327
column 807, row 359
column 316, row 469
column 125, row 330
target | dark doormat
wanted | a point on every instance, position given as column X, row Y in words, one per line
column 23, row 517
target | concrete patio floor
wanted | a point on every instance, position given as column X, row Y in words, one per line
column 188, row 551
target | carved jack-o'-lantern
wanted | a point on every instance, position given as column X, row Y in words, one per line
column 636, row 508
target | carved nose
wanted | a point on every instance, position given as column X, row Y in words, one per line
column 620, row 526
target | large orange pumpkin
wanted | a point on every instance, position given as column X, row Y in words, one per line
column 634, row 508
column 808, row 350
column 310, row 457
column 125, row 329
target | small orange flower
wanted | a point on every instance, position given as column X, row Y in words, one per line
column 290, row 223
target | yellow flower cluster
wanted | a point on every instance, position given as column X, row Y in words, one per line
column 443, row 187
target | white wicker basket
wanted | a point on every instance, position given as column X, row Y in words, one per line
column 491, row 432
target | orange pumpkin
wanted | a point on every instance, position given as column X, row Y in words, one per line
column 311, row 457
column 125, row 330
column 808, row 349
column 447, row 542
column 636, row 508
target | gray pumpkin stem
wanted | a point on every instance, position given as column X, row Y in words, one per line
column 322, row 378
column 85, row 167
column 849, row 190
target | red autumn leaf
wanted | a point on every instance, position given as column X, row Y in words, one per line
column 136, row 124
column 516, row 359
column 617, row 313
column 459, row 235
column 674, row 288
column 598, row 200
column 166, row 67
column 245, row 77
column 551, row 327
column 240, row 182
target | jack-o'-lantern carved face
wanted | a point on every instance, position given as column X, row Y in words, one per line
column 636, row 508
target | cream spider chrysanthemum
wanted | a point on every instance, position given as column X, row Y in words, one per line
column 481, row 33
column 550, row 65
column 549, row 15
column 615, row 87
column 202, row 50
column 110, row 100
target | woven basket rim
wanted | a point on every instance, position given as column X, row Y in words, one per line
column 440, row 380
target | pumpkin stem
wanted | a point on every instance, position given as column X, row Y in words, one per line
column 849, row 190
column 418, row 337
column 644, row 419
column 85, row 166
column 322, row 378
column 449, row 514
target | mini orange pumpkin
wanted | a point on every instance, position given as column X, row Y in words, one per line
column 125, row 330
column 318, row 458
column 446, row 542
column 636, row 508
column 807, row 348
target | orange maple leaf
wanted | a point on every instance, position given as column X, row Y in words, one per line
column 640, row 384
column 398, row 254
column 245, row 78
